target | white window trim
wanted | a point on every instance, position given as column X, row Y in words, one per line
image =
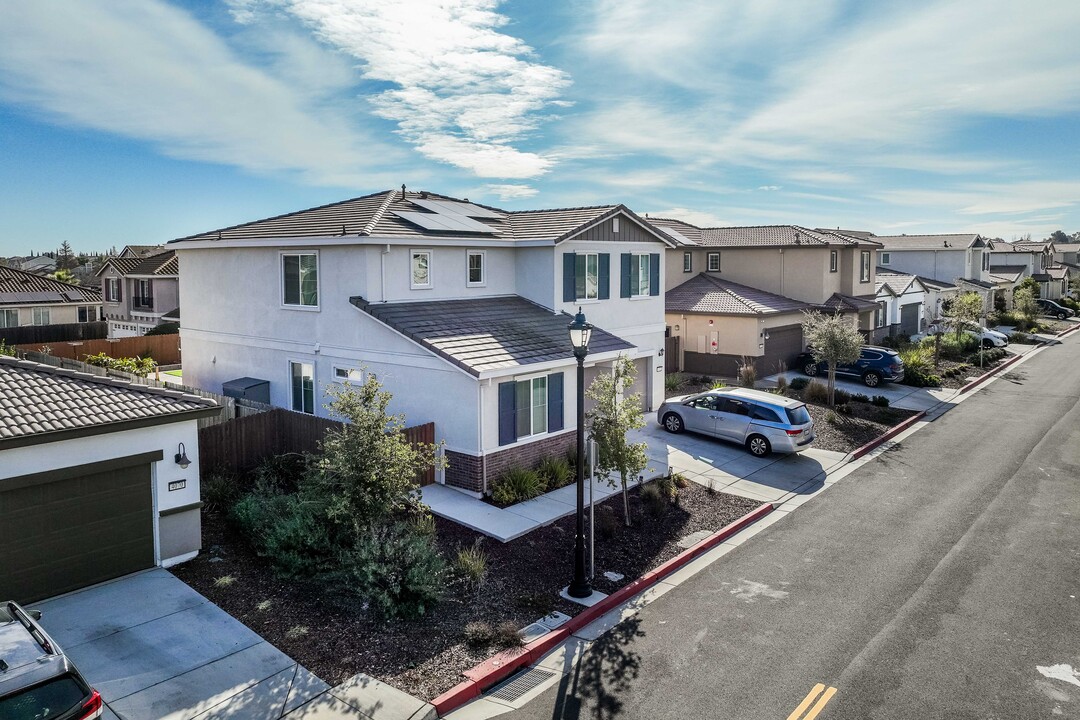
column 865, row 263
column 314, row 383
column 349, row 369
column 687, row 261
column 318, row 280
column 110, row 296
column 531, row 380
column 468, row 257
column 615, row 224
column 635, row 292
column 585, row 298
column 36, row 313
column 5, row 311
column 413, row 285
column 886, row 258
column 834, row 261
column 708, row 262
column 883, row 313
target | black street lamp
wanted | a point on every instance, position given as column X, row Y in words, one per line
column 580, row 332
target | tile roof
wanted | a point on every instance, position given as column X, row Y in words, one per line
column 933, row 284
column 709, row 294
column 379, row 215
column 1032, row 246
column 766, row 235
column 897, row 282
column 1067, row 247
column 141, row 251
column 1058, row 272
column 36, row 399
column 838, row 302
column 857, row 234
column 683, row 233
column 1000, row 248
column 163, row 264
column 1004, row 273
column 486, row 334
column 976, row 283
column 22, row 288
column 929, row 242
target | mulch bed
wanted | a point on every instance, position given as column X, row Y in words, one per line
column 426, row 657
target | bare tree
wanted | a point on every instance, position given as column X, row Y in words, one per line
column 832, row 339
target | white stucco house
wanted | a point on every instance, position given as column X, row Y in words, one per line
column 1036, row 260
column 459, row 310
column 901, row 302
column 98, row 478
column 959, row 260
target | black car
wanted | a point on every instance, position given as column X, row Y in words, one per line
column 37, row 681
column 874, row 366
column 1053, row 309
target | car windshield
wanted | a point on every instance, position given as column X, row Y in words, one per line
column 798, row 415
column 49, row 700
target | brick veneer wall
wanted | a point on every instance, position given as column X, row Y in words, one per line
column 466, row 471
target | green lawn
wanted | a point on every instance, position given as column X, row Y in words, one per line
column 172, row 372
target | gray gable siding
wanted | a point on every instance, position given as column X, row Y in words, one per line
column 629, row 231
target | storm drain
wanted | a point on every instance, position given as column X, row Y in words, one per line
column 511, row 689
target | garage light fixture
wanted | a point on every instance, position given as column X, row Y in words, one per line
column 182, row 458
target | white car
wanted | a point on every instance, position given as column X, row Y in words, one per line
column 989, row 338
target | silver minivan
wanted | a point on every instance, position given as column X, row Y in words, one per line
column 759, row 421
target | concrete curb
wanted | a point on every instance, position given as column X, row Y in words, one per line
column 505, row 663
column 888, row 435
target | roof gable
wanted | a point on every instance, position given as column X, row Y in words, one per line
column 712, row 295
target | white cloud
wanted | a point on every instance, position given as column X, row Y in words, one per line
column 511, row 192
column 1016, row 198
column 769, row 188
column 463, row 92
column 147, row 70
column 821, row 177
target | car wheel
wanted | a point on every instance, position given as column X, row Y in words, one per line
column 810, row 369
column 758, row 445
column 673, row 423
column 1062, row 316
column 988, row 343
column 871, row 379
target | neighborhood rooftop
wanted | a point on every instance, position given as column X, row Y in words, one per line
column 710, row 294
column 929, row 242
column 488, row 333
column 36, row 399
column 753, row 236
column 18, row 287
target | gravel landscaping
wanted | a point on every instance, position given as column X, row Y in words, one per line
column 425, row 657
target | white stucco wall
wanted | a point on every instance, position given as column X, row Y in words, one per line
column 943, row 265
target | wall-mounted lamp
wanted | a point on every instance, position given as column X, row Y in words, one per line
column 766, row 335
column 182, row 458
column 661, row 353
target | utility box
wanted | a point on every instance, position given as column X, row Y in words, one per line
column 247, row 388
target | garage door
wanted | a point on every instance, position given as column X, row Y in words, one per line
column 783, row 345
column 909, row 319
column 67, row 529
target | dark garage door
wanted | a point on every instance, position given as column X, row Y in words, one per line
column 63, row 530
column 783, row 345
column 909, row 319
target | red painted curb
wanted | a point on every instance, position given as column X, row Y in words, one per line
column 889, row 434
column 990, row 373
column 503, row 664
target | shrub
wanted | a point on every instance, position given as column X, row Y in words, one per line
column 135, row 365
column 283, row 472
column 666, row 485
column 1021, row 338
column 397, row 570
column 880, row 401
column 291, row 534
column 517, row 485
column 830, row 417
column 844, row 408
column 479, row 634
column 841, row 397
column 747, row 373
column 711, row 487
column 919, row 364
column 169, row 328
column 556, row 471
column 6, row 349
column 702, row 380
column 507, row 635
column 674, row 381
column 858, row 397
column 816, row 392
column 296, row 632
column 653, row 500
column 717, row 384
column 224, row 581
column 606, row 523
column 681, row 481
column 799, row 383
column 220, row 491
column 781, row 385
column 471, row 564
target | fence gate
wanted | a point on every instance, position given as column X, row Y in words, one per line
column 671, row 355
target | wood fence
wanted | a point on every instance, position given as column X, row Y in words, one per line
column 242, row 444
column 671, row 354
column 61, row 332
column 165, row 349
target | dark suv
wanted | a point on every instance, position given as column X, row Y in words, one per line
column 37, row 681
column 874, row 366
column 1053, row 309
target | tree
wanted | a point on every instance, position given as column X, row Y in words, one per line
column 832, row 339
column 65, row 258
column 1058, row 236
column 64, row 276
column 965, row 309
column 1024, row 302
column 1031, row 284
column 612, row 417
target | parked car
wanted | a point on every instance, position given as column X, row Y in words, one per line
column 759, row 421
column 37, row 681
column 988, row 338
column 874, row 366
column 1053, row 309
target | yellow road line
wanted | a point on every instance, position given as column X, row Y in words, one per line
column 806, row 702
column 821, row 703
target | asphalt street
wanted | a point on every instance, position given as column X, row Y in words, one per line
column 940, row 580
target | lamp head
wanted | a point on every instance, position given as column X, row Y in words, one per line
column 181, row 457
column 580, row 333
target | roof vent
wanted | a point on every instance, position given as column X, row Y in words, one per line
column 403, row 190
column 946, row 243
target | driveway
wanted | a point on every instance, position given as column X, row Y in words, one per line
column 155, row 648
column 730, row 468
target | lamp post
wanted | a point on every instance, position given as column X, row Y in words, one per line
column 580, row 332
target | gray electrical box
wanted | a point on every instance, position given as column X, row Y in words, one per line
column 247, row 388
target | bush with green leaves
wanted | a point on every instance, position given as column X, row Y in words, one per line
column 396, row 569
column 220, row 491
column 6, row 349
column 880, row 401
column 666, row 485
column 747, row 373
column 517, row 485
column 653, row 500
column 556, row 471
column 781, row 385
column 799, row 383
column 841, row 396
column 858, row 397
column 674, row 382
column 817, row 393
column 169, row 328
column 471, row 564
column 135, row 365
column 606, row 523
column 717, row 384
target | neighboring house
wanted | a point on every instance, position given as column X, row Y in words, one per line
column 901, row 299
column 961, row 260
column 1037, row 260
column 461, row 312
column 1067, row 254
column 139, row 292
column 38, row 264
column 793, row 266
column 141, row 251
column 29, row 299
column 89, row 484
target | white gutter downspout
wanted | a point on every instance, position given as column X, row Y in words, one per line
column 382, row 272
column 480, row 437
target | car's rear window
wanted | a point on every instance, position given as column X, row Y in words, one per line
column 43, row 702
column 757, row 412
column 798, row 415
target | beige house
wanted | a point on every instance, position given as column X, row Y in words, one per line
column 29, row 299
column 780, row 270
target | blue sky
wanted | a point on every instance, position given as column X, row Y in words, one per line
column 138, row 121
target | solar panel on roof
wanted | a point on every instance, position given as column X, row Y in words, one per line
column 676, row 235
column 28, row 297
column 449, row 207
column 449, row 223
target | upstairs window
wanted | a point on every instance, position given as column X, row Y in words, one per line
column 713, row 260
column 300, row 279
column 475, row 269
column 688, row 262
column 864, row 268
column 639, row 276
column 885, row 258
column 587, row 277
column 833, row 261
column 421, row 270
column 112, row 290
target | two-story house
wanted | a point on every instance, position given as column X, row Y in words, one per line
column 1053, row 277
column 738, row 294
column 30, row 299
column 139, row 291
column 901, row 301
column 460, row 311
